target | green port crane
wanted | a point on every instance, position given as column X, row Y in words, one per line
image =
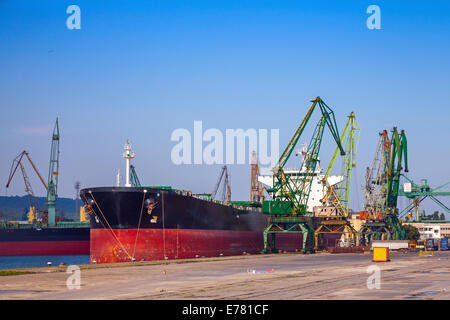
column 288, row 208
column 335, row 209
column 419, row 192
column 382, row 190
column 399, row 150
column 399, row 158
column 53, row 173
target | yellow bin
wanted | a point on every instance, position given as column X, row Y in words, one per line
column 380, row 254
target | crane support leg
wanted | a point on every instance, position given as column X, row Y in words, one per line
column 308, row 238
column 336, row 227
column 374, row 230
column 288, row 225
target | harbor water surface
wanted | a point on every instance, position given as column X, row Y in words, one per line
column 12, row 262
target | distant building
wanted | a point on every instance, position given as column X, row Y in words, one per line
column 427, row 229
column 431, row 229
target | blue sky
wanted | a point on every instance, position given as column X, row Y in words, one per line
column 140, row 70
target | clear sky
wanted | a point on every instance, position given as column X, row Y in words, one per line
column 140, row 70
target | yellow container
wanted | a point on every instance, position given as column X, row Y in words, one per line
column 423, row 253
column 380, row 254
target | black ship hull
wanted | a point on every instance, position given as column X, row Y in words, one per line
column 152, row 223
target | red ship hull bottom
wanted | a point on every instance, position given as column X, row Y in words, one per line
column 44, row 248
column 123, row 245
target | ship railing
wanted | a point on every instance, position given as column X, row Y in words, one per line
column 9, row 225
column 73, row 224
column 246, row 208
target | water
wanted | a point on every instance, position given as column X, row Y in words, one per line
column 11, row 262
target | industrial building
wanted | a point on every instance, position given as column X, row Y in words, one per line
column 432, row 229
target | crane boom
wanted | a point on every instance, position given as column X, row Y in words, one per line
column 35, row 170
column 333, row 159
column 18, row 163
column 291, row 197
column 351, row 148
column 349, row 161
column 14, row 166
column 226, row 194
column 256, row 188
column 52, row 191
column 330, row 121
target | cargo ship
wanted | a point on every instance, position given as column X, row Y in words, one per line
column 130, row 223
column 42, row 234
column 66, row 238
column 155, row 223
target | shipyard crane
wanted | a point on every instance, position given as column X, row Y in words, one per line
column 381, row 189
column 288, row 208
column 256, row 188
column 419, row 192
column 335, row 209
column 52, row 181
column 17, row 163
column 53, row 173
column 226, row 191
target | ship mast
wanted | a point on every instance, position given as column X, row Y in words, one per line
column 128, row 155
column 118, row 178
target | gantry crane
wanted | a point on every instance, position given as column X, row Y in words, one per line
column 335, row 209
column 226, row 191
column 381, row 190
column 419, row 192
column 288, row 208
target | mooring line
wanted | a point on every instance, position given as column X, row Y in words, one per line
column 139, row 224
column 110, row 229
column 164, row 230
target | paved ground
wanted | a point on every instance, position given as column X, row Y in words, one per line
column 291, row 276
